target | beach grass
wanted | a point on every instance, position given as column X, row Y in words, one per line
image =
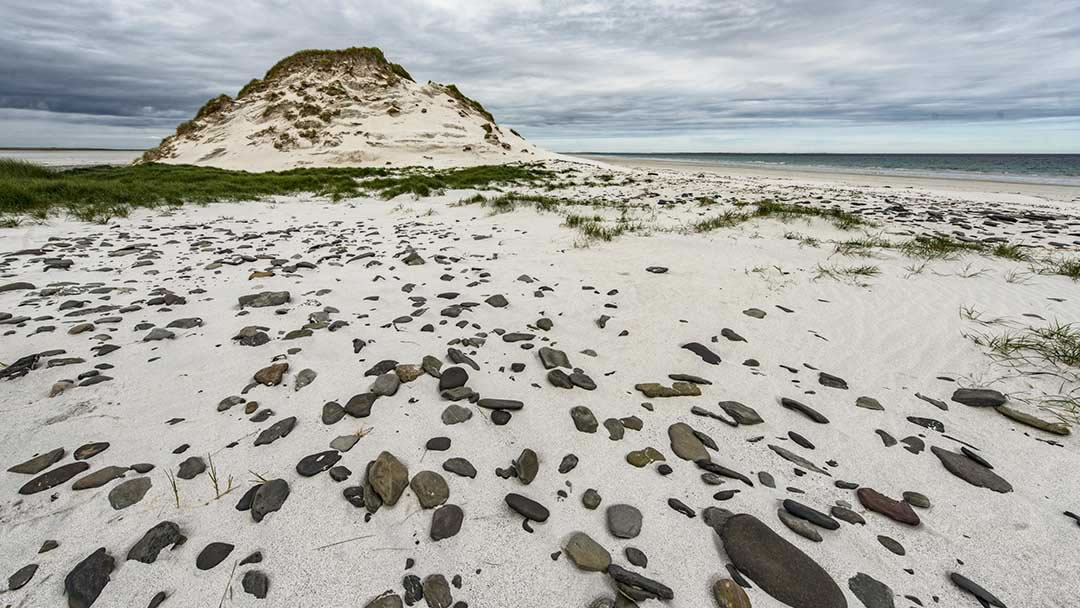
column 98, row 193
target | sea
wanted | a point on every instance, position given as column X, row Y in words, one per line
column 1055, row 169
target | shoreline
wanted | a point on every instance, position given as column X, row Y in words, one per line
column 980, row 184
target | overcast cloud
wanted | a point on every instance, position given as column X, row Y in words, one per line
column 634, row 75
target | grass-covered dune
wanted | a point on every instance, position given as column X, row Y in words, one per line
column 101, row 192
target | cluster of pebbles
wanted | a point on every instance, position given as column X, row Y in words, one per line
column 115, row 303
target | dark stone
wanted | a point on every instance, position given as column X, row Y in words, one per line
column 212, row 555
column 703, row 351
column 637, row 581
column 893, row 509
column 527, row 507
column 453, row 377
column 269, row 498
column 256, row 583
column 438, row 444
column 971, row 471
column 743, row 414
column 191, row 467
column 279, row 429
column 568, row 463
column 53, row 478
column 86, row 580
column 317, row 463
column 832, row 381
column 975, row 589
column 978, row 397
column 446, row 521
column 21, row 577
column 157, row 538
column 804, row 409
column 811, row 515
column 460, row 466
column 359, row 406
column 871, row 592
column 90, row 450
column 636, row 557
column 500, row 404
column 780, row 568
column 38, row 463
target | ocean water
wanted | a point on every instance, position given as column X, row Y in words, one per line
column 66, row 159
column 1062, row 169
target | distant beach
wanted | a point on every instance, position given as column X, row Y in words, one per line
column 70, row 158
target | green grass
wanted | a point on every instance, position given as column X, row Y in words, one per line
column 99, row 193
column 853, row 274
column 1056, row 344
column 471, row 178
column 862, row 247
column 505, row 203
column 1065, row 267
column 937, row 247
column 727, row 219
column 838, row 217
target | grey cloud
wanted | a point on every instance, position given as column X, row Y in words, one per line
column 561, row 69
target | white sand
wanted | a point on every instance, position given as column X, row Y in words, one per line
column 889, row 339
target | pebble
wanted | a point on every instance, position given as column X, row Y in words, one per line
column 624, row 521
column 212, row 555
column 527, row 507
column 586, row 553
column 130, row 492
column 446, row 522
column 88, row 578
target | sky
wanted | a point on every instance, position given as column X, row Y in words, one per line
column 596, row 75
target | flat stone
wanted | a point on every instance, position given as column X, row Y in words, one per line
column 780, row 568
column 891, row 544
column 804, row 409
column 527, row 507
column 811, row 515
column 869, row 403
column 88, row 451
column 871, row 592
column 893, row 509
column 130, row 492
column 446, row 522
column 624, row 521
column 460, row 466
column 975, row 589
column 430, row 489
column 584, row 420
column 743, row 414
column 437, row 591
column 386, row 385
column 163, row 535
column 191, row 467
column 38, row 463
column 264, row 299
column 1057, row 428
column 586, row 553
column 527, row 465
column 272, row 374
column 703, row 351
column 728, row 594
column 799, row 526
column 552, row 358
column 269, row 497
column 256, row 583
column 500, row 404
column 279, row 429
column 359, row 406
column 978, row 397
column 52, row 478
column 21, row 577
column 686, row 444
column 344, row 443
column 389, row 477
column 212, row 555
column 314, row 464
column 590, row 499
column 971, row 471
column 650, row 587
column 88, row 578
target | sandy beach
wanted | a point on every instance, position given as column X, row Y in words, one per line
column 141, row 339
column 981, row 184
